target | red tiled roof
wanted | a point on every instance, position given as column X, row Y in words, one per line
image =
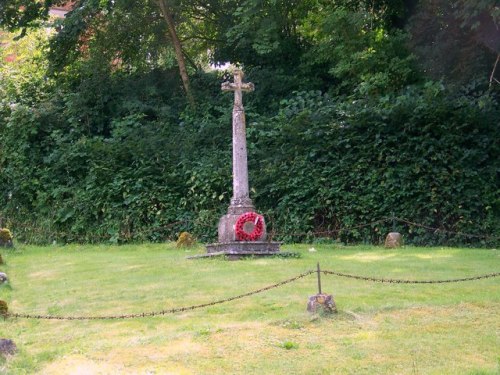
column 67, row 6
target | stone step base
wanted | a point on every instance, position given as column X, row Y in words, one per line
column 245, row 247
column 249, row 254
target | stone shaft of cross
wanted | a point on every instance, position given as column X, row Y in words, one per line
column 241, row 196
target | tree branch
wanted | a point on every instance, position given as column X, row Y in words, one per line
column 492, row 76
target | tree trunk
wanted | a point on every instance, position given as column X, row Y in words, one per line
column 492, row 76
column 167, row 14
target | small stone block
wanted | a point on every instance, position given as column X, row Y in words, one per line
column 321, row 303
column 7, row 347
column 393, row 240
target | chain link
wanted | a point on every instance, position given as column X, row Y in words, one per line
column 240, row 296
column 162, row 312
column 403, row 281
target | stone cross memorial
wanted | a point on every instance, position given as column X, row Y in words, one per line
column 242, row 231
column 241, row 198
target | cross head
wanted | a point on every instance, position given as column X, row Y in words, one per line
column 238, row 87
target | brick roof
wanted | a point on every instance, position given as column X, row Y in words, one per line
column 67, row 6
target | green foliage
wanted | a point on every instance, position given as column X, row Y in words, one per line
column 5, row 235
column 23, row 14
column 97, row 142
column 456, row 41
column 288, row 345
column 185, row 240
column 423, row 154
column 358, row 51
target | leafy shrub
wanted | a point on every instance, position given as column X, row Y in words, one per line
column 185, row 240
column 5, row 235
column 423, row 154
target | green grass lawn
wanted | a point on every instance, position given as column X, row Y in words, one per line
column 380, row 328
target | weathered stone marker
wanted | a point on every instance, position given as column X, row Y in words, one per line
column 393, row 240
column 242, row 231
column 321, row 302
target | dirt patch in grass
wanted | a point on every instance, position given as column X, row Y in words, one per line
column 79, row 365
column 44, row 275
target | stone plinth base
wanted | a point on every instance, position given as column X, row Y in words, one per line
column 245, row 247
column 227, row 224
column 241, row 249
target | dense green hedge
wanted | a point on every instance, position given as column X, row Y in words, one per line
column 422, row 154
column 122, row 159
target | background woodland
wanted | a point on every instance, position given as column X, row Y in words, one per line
column 113, row 126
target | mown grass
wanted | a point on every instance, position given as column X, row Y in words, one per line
column 380, row 328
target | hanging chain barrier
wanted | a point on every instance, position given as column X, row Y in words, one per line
column 162, row 312
column 240, row 296
column 403, row 281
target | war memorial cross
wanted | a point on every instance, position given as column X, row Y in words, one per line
column 241, row 197
column 242, row 231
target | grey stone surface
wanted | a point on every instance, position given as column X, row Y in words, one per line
column 321, row 303
column 241, row 197
column 7, row 347
column 393, row 240
column 244, row 246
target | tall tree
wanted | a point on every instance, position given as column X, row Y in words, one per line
column 94, row 24
column 167, row 13
column 457, row 41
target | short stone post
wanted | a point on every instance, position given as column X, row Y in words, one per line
column 394, row 238
column 321, row 303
